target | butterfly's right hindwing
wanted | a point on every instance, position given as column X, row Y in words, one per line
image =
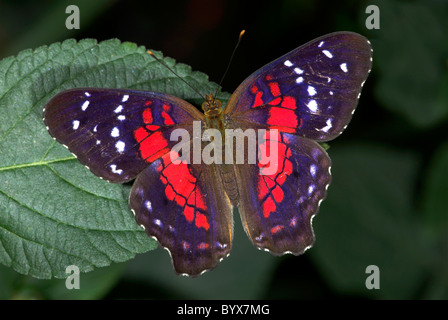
column 185, row 208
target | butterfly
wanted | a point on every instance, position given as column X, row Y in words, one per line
column 303, row 98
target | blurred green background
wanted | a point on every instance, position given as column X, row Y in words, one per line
column 387, row 205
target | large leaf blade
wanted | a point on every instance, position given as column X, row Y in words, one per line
column 53, row 211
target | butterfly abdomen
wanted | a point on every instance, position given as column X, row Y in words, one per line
column 228, row 177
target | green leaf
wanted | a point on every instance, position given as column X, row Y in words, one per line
column 368, row 219
column 411, row 59
column 435, row 204
column 53, row 211
column 435, row 214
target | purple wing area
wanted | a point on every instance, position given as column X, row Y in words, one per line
column 183, row 206
column 116, row 133
column 311, row 91
column 277, row 205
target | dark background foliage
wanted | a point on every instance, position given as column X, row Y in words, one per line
column 387, row 205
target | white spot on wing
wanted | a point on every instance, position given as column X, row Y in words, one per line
column 114, row 169
column 311, row 189
column 321, row 44
column 75, row 124
column 327, row 53
column 311, row 91
column 148, row 205
column 344, row 67
column 87, row 94
column 328, row 126
column 157, row 222
column 121, row 117
column 313, row 170
column 299, row 80
column 288, row 63
column 85, row 105
column 120, row 145
column 125, row 98
column 298, row 70
column 115, row 132
column 312, row 105
column 119, row 109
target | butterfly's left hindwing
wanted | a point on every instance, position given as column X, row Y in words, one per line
column 279, row 198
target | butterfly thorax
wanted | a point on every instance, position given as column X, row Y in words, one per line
column 214, row 118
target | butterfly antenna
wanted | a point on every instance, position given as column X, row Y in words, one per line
column 174, row 72
column 230, row 60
